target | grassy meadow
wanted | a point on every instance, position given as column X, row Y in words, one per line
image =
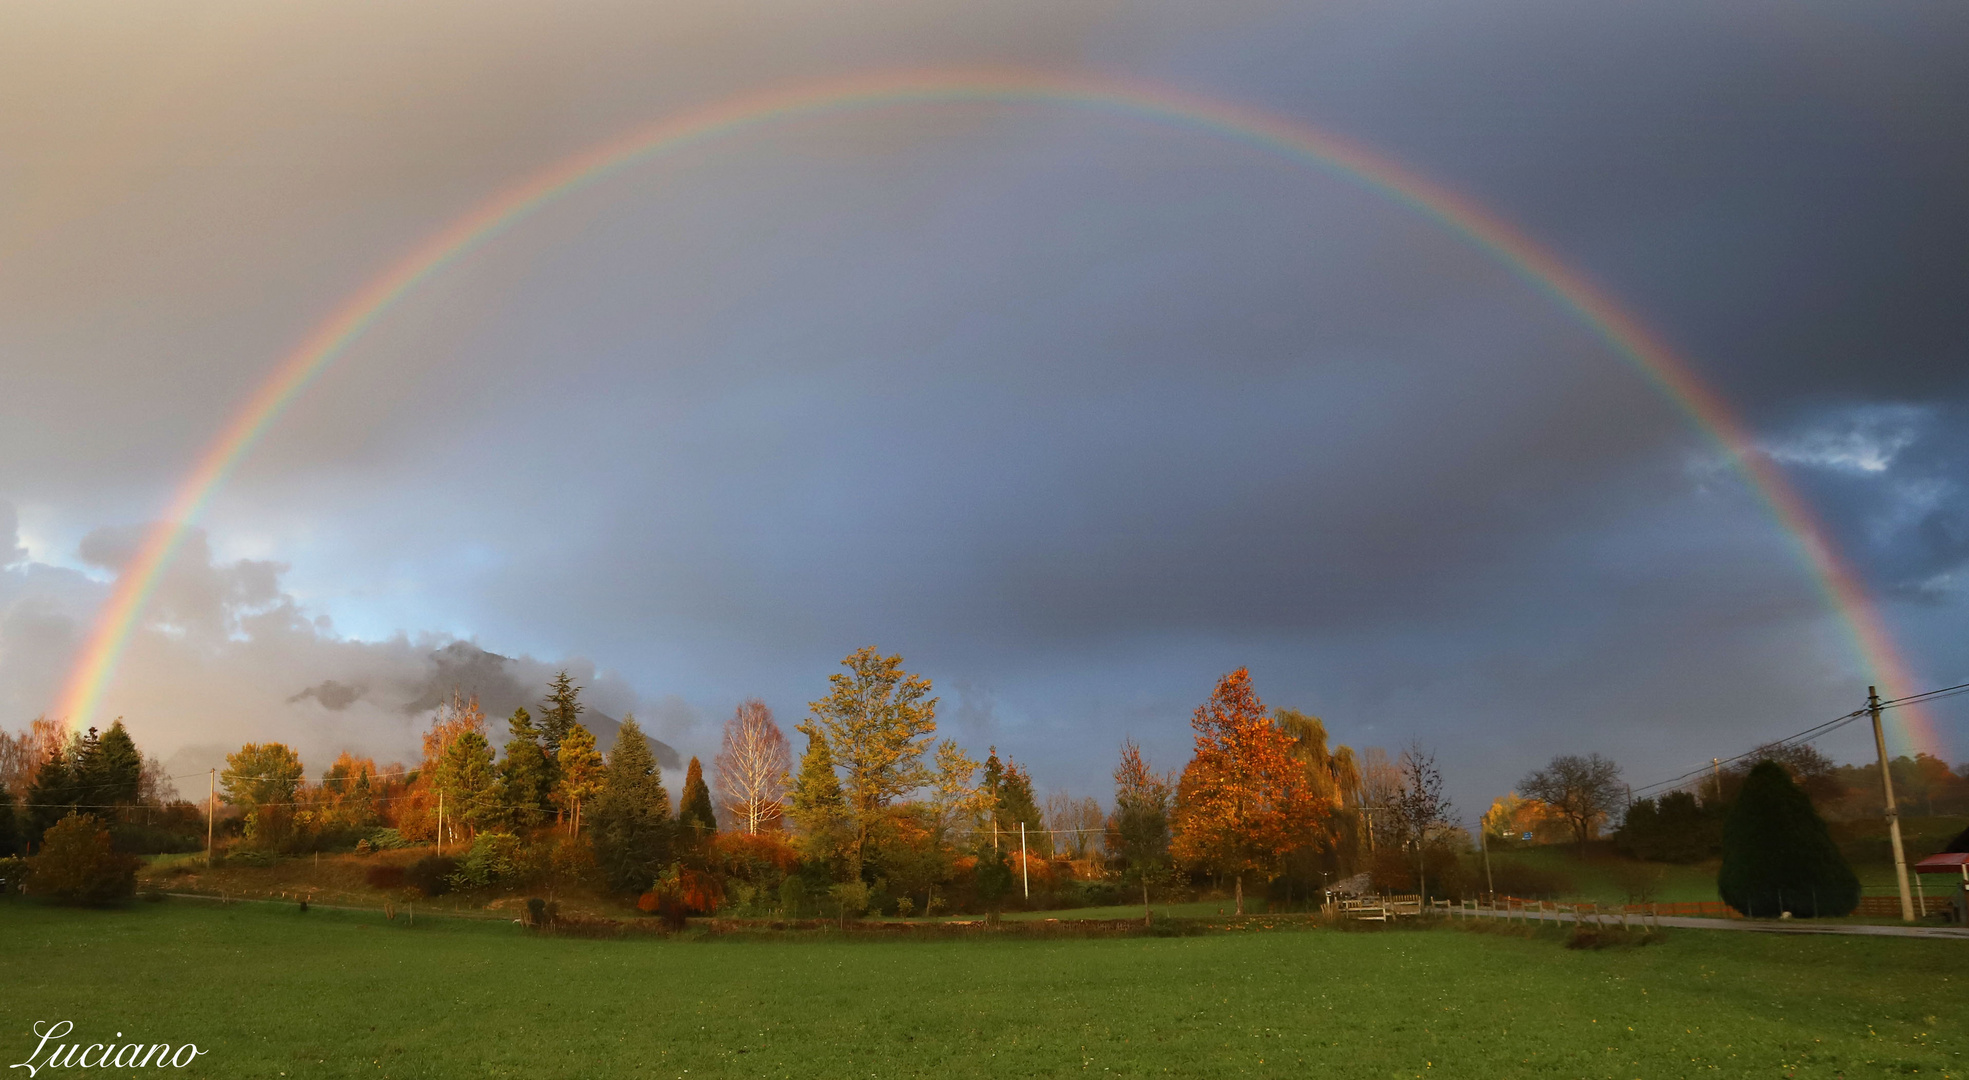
column 271, row 991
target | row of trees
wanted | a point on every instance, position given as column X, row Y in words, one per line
column 1581, row 798
column 47, row 774
column 877, row 810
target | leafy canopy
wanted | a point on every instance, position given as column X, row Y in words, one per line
column 878, row 720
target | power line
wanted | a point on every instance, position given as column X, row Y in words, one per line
column 1805, row 736
column 1800, row 738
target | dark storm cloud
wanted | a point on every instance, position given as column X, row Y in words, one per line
column 334, row 696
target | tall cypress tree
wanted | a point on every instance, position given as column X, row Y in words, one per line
column 630, row 819
column 560, row 712
column 1778, row 855
column 695, row 817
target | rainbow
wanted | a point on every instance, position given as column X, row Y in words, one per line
column 1539, row 269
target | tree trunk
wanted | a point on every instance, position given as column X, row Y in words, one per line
column 1240, row 893
column 1147, row 912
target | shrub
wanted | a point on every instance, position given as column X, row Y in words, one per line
column 494, row 858
column 387, row 840
column 905, row 907
column 79, row 864
column 1778, row 855
column 431, row 875
column 250, row 857
column 13, row 871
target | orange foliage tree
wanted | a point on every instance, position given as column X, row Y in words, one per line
column 1243, row 801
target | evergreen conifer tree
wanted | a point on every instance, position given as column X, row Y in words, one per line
column 526, row 776
column 1018, row 806
column 1008, row 790
column 696, row 820
column 630, row 819
column 470, row 783
column 11, row 840
column 1778, row 855
column 113, row 773
column 561, row 712
column 818, row 809
column 50, row 797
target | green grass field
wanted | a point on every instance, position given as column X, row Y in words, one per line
column 269, row 991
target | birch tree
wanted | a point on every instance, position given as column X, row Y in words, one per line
column 752, row 766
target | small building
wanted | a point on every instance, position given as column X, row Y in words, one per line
column 1953, row 861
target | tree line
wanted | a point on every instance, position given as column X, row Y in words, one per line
column 877, row 812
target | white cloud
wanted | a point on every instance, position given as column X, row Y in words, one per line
column 1861, row 442
column 227, row 656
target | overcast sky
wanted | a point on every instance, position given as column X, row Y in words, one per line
column 1076, row 413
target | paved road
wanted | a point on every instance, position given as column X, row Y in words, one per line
column 1764, row 926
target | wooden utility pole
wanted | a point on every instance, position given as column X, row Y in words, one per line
column 1026, row 878
column 1893, row 815
column 211, row 801
column 1716, row 766
column 1483, row 845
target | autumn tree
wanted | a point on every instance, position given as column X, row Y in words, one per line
column 1335, row 779
column 1583, row 790
column 578, row 768
column 1243, row 801
column 752, row 765
column 878, row 720
column 560, row 712
column 456, row 717
column 817, row 807
column 1138, row 832
column 349, row 791
column 78, row 864
column 264, row 779
column 526, row 774
column 955, row 798
column 630, row 828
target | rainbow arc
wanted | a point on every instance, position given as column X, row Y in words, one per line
column 1339, row 157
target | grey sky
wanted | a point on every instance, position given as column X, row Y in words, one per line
column 1076, row 413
